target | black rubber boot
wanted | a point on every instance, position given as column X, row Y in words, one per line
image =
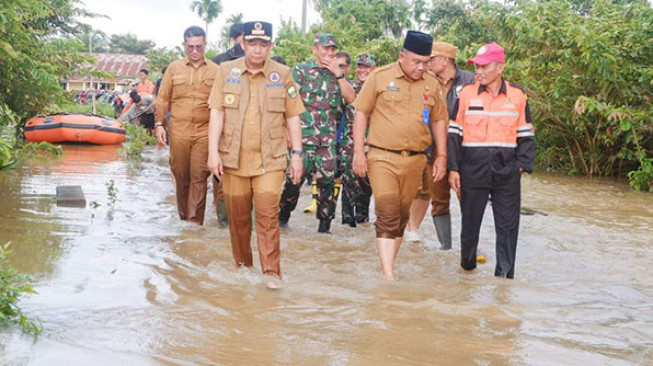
column 325, row 226
column 284, row 217
column 443, row 229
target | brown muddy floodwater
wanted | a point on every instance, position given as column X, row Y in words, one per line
column 129, row 284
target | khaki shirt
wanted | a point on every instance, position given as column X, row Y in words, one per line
column 186, row 89
column 256, row 108
column 396, row 105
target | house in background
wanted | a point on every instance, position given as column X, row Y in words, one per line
column 123, row 68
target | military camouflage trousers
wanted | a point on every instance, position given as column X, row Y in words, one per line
column 356, row 193
column 319, row 162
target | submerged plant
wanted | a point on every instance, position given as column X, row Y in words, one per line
column 138, row 140
column 41, row 150
column 112, row 192
column 12, row 286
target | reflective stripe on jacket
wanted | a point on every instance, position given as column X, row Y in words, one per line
column 490, row 138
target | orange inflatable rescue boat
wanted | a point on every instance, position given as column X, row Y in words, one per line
column 74, row 127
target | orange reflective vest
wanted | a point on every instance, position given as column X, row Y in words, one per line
column 490, row 137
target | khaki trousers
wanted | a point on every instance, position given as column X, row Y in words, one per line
column 264, row 191
column 188, row 155
column 438, row 192
column 395, row 180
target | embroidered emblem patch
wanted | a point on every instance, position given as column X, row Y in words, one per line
column 274, row 77
column 481, row 50
column 392, row 87
column 235, row 73
column 292, row 92
column 229, row 99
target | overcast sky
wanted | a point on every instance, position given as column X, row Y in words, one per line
column 164, row 21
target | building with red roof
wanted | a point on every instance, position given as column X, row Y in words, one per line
column 122, row 68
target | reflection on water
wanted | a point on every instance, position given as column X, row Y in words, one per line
column 129, row 284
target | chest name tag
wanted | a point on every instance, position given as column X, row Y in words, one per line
column 476, row 105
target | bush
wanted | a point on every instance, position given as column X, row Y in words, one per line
column 13, row 285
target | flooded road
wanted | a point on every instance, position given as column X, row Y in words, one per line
column 124, row 282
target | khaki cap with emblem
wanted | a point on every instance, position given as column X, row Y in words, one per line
column 444, row 49
column 325, row 40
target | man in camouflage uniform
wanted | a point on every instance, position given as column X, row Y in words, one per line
column 356, row 191
column 322, row 87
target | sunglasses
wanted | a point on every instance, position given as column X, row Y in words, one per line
column 191, row 47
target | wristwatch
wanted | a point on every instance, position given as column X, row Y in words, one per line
column 158, row 124
column 341, row 76
column 296, row 152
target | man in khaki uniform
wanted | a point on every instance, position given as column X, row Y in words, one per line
column 452, row 80
column 254, row 106
column 405, row 105
column 186, row 86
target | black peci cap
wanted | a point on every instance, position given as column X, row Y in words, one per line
column 418, row 42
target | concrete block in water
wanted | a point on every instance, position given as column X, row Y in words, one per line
column 70, row 196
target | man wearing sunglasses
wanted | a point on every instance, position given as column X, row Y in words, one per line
column 185, row 87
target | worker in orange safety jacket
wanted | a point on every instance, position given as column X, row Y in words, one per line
column 491, row 142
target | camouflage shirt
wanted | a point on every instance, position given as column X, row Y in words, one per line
column 322, row 98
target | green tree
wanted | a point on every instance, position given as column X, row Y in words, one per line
column 128, row 43
column 225, row 37
column 208, row 10
column 161, row 57
column 591, row 75
column 37, row 49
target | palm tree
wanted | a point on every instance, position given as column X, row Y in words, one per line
column 208, row 10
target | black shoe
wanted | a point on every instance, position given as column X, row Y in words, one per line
column 325, row 226
column 351, row 223
column 362, row 219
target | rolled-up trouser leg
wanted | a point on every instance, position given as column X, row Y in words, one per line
column 440, row 195
column 506, row 203
column 199, row 174
column 472, row 205
column 237, row 193
column 267, row 190
column 395, row 180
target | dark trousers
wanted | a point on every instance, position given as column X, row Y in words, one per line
column 321, row 162
column 506, row 202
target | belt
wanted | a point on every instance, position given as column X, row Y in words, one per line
column 403, row 153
